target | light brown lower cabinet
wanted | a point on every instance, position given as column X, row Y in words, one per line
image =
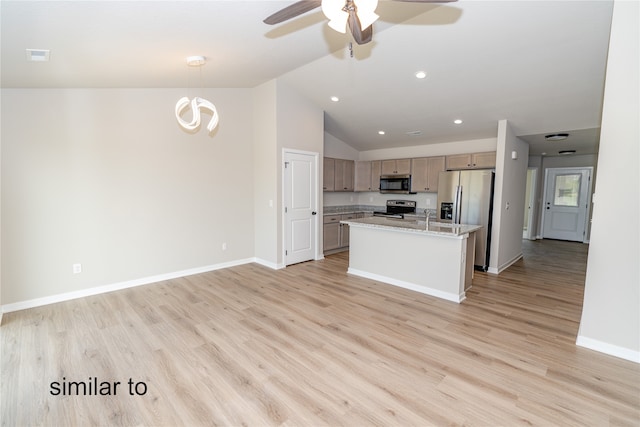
column 336, row 235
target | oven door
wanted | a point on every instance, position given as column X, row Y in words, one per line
column 398, row 184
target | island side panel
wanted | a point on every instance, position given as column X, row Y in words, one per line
column 471, row 258
column 430, row 264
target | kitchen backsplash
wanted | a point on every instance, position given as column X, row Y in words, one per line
column 423, row 200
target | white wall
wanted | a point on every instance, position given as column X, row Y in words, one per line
column 300, row 126
column 610, row 316
column 284, row 119
column 338, row 149
column 107, row 178
column 1, row 214
column 265, row 174
column 508, row 208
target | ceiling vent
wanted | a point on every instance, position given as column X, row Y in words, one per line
column 37, row 55
column 556, row 136
column 414, row 133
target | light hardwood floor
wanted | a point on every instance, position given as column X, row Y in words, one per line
column 310, row 345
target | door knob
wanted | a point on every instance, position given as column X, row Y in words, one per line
column 314, row 213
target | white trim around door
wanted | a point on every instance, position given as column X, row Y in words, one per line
column 300, row 206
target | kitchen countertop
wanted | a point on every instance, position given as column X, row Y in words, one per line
column 349, row 209
column 415, row 226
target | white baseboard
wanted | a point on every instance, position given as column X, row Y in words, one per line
column 37, row 302
column 408, row 285
column 610, row 349
column 504, row 266
column 271, row 265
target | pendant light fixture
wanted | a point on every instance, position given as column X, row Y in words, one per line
column 196, row 104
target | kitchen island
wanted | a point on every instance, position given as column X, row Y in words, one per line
column 434, row 259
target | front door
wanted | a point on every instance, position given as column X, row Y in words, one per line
column 566, row 203
column 300, row 209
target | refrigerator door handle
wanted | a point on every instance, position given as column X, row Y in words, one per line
column 457, row 207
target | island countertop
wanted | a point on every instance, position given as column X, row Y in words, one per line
column 414, row 226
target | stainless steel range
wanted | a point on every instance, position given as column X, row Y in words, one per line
column 397, row 208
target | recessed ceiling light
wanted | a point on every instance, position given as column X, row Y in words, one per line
column 543, row 153
column 335, row 99
column 381, row 132
column 196, row 61
column 457, row 121
column 566, row 152
column 556, row 136
column 421, row 74
column 38, row 55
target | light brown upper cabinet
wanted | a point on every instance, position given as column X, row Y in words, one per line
column 362, row 177
column 338, row 174
column 396, row 167
column 343, row 175
column 376, row 171
column 367, row 176
column 425, row 172
column 471, row 161
column 329, row 170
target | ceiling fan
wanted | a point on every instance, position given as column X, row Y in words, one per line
column 359, row 15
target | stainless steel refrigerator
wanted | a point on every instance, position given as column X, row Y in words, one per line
column 466, row 197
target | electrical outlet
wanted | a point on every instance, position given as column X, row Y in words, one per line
column 224, row 246
column 77, row 268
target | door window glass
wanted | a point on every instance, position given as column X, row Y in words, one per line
column 567, row 190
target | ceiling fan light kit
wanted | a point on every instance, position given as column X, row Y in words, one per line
column 338, row 11
column 358, row 15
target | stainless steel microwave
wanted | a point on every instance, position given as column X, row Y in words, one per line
column 399, row 184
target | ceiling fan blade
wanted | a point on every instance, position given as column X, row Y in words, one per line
column 360, row 36
column 298, row 8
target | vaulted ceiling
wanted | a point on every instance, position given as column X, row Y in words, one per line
column 538, row 64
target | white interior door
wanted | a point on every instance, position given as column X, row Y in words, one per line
column 566, row 204
column 300, row 210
